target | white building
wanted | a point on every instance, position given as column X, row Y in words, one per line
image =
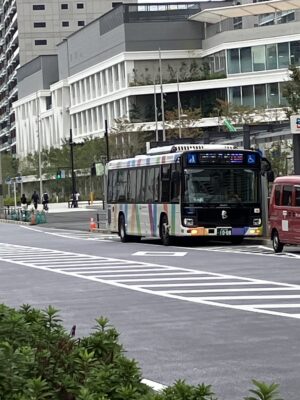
column 107, row 70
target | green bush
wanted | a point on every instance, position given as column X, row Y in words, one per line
column 40, row 360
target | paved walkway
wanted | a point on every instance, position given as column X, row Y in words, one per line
column 63, row 207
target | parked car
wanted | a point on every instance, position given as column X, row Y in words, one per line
column 284, row 212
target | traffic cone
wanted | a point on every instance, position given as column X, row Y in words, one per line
column 93, row 225
column 33, row 220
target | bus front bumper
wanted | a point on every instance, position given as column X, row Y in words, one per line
column 223, row 231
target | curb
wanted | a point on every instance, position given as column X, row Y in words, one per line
column 11, row 221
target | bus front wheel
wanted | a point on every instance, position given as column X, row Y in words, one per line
column 122, row 229
column 277, row 245
column 164, row 231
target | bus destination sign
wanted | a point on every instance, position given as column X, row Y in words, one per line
column 221, row 158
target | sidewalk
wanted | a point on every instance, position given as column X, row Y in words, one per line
column 63, row 207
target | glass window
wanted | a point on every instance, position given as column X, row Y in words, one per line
column 247, row 95
column 81, row 23
column 283, row 100
column 246, row 60
column 165, row 184
column 259, row 58
column 260, row 95
column 283, row 55
column 287, row 195
column 156, row 184
column 122, row 186
column 39, row 24
column 273, row 95
column 64, row 6
column 112, row 186
column 38, row 7
column 40, row 42
column 295, row 52
column 131, row 185
column 271, row 56
column 221, row 185
column 235, row 95
column 149, row 190
column 140, row 186
column 277, row 195
column 233, row 61
column 297, row 196
column 80, row 5
column 65, row 23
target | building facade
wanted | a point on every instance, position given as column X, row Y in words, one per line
column 208, row 51
column 29, row 28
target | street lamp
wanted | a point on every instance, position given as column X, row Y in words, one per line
column 39, row 144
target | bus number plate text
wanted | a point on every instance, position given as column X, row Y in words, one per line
column 224, row 231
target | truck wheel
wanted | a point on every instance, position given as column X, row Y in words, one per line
column 277, row 245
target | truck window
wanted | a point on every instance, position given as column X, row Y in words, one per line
column 277, row 195
column 287, row 195
column 297, row 196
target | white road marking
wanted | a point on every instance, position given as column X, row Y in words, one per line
column 157, row 387
column 136, row 273
column 160, row 253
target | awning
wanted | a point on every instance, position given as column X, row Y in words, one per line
column 215, row 15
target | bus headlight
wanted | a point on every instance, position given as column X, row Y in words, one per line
column 188, row 221
column 256, row 221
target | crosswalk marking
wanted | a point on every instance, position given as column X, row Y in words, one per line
column 202, row 287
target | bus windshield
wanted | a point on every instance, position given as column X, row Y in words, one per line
column 221, row 185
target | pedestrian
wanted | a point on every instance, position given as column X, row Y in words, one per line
column 23, row 201
column 77, row 195
column 45, row 201
column 35, row 198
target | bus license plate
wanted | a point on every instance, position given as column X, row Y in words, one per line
column 224, row 231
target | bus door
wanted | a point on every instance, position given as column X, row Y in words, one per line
column 142, row 207
column 296, row 214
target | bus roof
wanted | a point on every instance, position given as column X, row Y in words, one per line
column 165, row 155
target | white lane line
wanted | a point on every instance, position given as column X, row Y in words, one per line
column 160, row 253
column 216, row 298
column 194, row 278
column 206, row 300
column 265, row 289
column 201, row 284
column 276, row 305
column 157, row 387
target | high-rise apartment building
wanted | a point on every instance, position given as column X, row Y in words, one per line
column 29, row 28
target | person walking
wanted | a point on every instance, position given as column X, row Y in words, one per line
column 35, row 198
column 23, row 201
column 45, row 201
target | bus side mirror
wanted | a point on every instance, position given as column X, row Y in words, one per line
column 175, row 176
column 270, row 176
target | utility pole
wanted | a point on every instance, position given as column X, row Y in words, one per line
column 1, row 184
column 106, row 140
column 162, row 99
column 72, row 166
column 39, row 145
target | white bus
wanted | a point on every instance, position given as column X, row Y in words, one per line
column 186, row 190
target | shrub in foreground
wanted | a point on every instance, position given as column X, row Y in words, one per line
column 40, row 360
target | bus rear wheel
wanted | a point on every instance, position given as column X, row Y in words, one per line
column 277, row 245
column 164, row 231
column 122, row 229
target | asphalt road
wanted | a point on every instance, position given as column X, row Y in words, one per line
column 217, row 314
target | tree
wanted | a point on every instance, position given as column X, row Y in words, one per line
column 292, row 89
column 188, row 123
column 278, row 154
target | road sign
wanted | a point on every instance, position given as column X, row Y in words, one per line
column 8, row 180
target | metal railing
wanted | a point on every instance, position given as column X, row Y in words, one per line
column 23, row 214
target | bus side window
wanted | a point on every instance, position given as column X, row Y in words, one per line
column 277, row 195
column 297, row 196
column 156, row 185
column 109, row 186
column 149, row 182
column 131, row 185
column 140, row 185
column 175, row 186
column 165, row 183
column 122, row 186
column 113, row 185
column 287, row 195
